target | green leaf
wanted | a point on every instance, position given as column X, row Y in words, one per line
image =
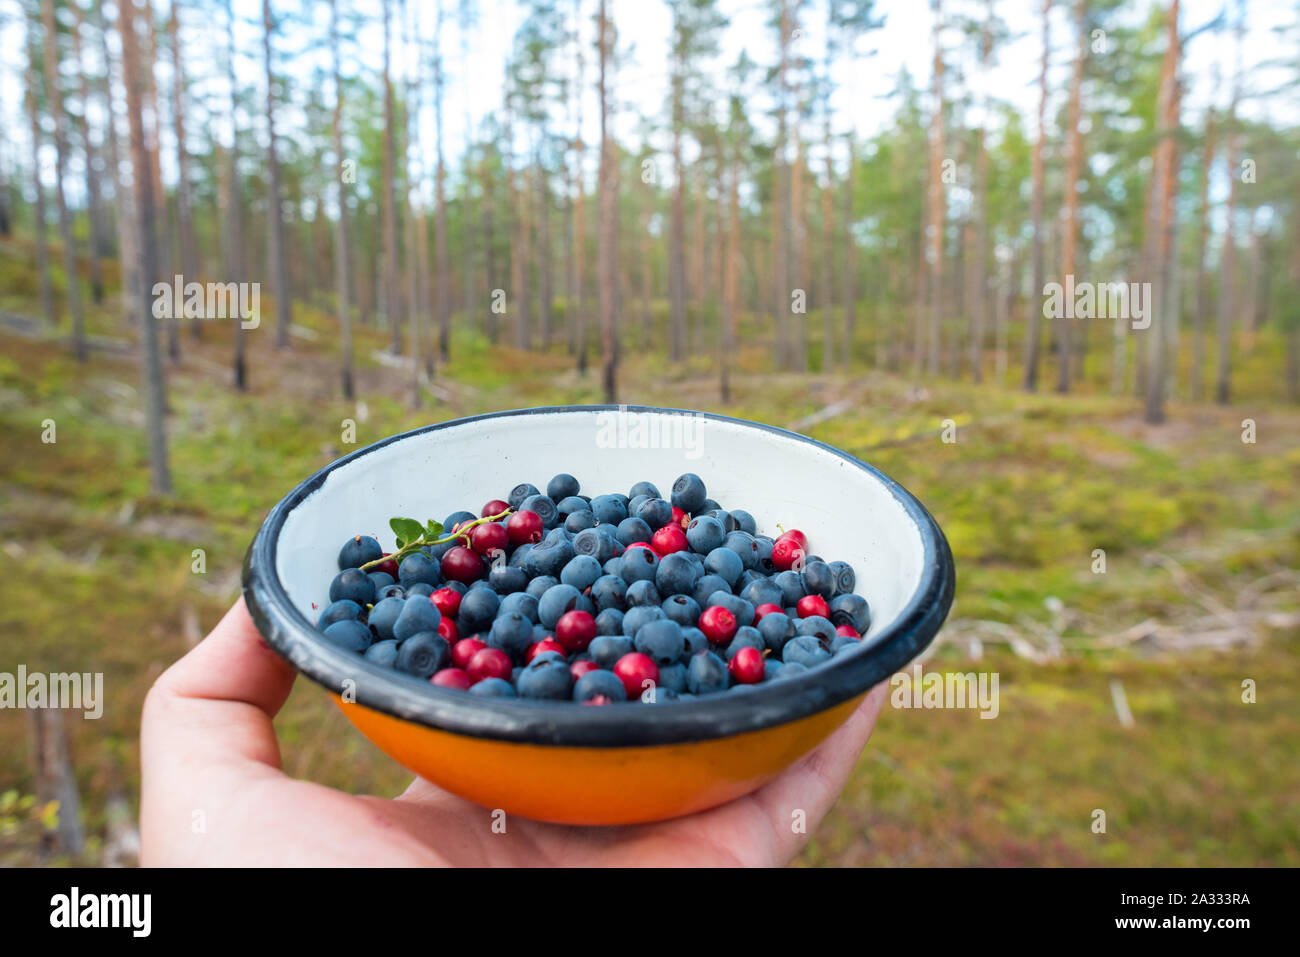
column 434, row 529
column 408, row 530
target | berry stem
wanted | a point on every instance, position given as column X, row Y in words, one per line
column 460, row 532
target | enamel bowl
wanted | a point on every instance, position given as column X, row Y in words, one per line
column 616, row 764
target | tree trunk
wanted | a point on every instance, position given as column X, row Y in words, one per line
column 189, row 250
column 54, row 103
column 938, row 200
column 49, row 305
column 1165, row 309
column 677, row 227
column 341, row 249
column 1034, row 311
column 608, row 194
column 730, row 285
column 579, row 323
column 1073, row 163
column 234, row 211
column 544, row 277
column 94, row 194
column 274, row 211
column 1227, row 265
column 442, row 292
column 850, row 293
column 828, row 244
column 154, row 387
column 392, row 293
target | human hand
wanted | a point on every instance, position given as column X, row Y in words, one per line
column 208, row 745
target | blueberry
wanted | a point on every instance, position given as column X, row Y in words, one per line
column 457, row 518
column 418, row 567
column 545, row 508
column 548, row 557
column 743, row 610
column 851, row 610
column 689, row 493
column 647, row 489
column 537, row 587
column 704, row 534
column 493, row 688
column 384, row 615
column 609, row 509
column 437, row 551
column 677, row 574
column 638, row 564
column 724, row 563
column 636, row 502
column 816, row 626
column 566, row 505
column 343, row 610
column 349, row 634
column 519, row 557
column 682, row 609
column 706, row 674
column 359, row 550
column 383, row 653
column 579, row 521
column 661, row 641
column 581, row 572
column 791, row 583
column 843, row 643
column 672, row 677
column 477, row 609
column 599, row 682
column 642, row 593
column 747, row 578
column 762, row 591
column 562, row 486
column 805, row 650
column 790, row 669
column 614, row 566
column 609, row 621
column 729, row 524
column 765, row 563
column 695, row 642
column 608, row 591
column 512, row 633
column 421, row 589
column 776, row 631
column 521, row 602
column 354, row 584
column 706, row 586
column 422, row 654
column 521, row 492
column 746, row 637
column 545, row 677
column 743, row 544
column 601, row 546
column 633, row 530
column 819, row 579
column 771, row 667
column 505, row 579
column 844, row 578
column 744, row 521
column 605, row 650
column 655, row 512
column 390, row 591
column 382, row 580
column 557, row 600
column 635, row 617
column 418, row 614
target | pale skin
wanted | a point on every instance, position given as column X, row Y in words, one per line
column 214, row 793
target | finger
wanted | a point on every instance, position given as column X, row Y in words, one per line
column 813, row 784
column 206, row 729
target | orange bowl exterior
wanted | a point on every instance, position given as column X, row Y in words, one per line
column 615, row 785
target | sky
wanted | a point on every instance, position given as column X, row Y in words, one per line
column 474, row 63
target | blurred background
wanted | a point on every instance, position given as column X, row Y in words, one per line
column 848, row 218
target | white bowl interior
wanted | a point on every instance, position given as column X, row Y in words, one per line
column 847, row 513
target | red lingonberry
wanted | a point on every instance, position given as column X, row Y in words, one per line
column 718, row 624
column 746, row 666
column 810, row 605
column 575, row 629
column 451, row 678
column 634, row 670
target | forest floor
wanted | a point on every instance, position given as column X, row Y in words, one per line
column 1201, row 534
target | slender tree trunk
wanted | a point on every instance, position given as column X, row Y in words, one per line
column 392, row 294
column 189, row 250
column 123, row 224
column 1202, row 274
column 850, row 293
column 489, row 248
column 283, row 295
column 677, row 226
column 1034, row 311
column 1227, row 265
column 442, row 293
column 828, row 242
column 341, row 250
column 1165, row 307
column 781, row 274
column 937, row 198
column 234, row 212
column 580, row 206
column 94, row 194
column 799, row 222
column 49, row 305
column 1073, row 162
column 544, row 277
column 54, row 103
column 608, row 194
column 154, row 387
column 730, row 286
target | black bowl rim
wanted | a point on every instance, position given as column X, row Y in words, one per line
column 295, row 638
